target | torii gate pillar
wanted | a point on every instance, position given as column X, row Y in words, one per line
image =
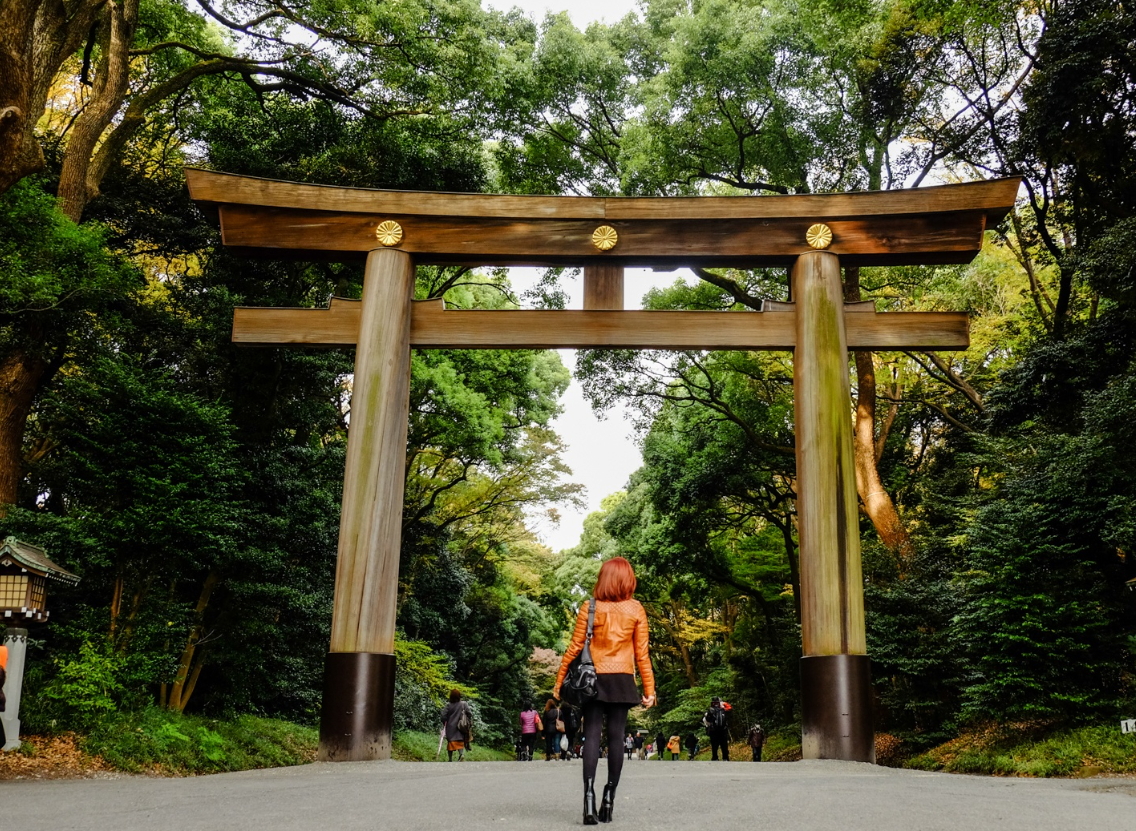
column 836, row 704
column 358, row 696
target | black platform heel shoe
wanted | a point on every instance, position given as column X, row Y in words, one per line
column 607, row 805
column 590, row 802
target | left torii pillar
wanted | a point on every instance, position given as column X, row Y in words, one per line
column 358, row 696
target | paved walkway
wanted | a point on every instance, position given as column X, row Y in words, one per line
column 660, row 796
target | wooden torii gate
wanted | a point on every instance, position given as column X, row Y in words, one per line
column 397, row 230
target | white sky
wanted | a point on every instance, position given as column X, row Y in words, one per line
column 582, row 12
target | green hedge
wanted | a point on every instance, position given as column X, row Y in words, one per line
column 160, row 741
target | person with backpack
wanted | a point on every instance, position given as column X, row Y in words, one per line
column 618, row 646
column 530, row 728
column 457, row 721
column 756, row 740
column 717, row 729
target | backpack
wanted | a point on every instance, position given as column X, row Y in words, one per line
column 465, row 720
column 717, row 721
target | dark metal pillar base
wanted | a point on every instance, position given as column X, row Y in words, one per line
column 358, row 707
column 836, row 708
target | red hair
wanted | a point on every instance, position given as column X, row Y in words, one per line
column 616, row 580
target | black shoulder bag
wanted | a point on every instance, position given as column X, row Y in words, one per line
column 579, row 685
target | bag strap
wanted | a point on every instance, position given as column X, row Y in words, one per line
column 586, row 652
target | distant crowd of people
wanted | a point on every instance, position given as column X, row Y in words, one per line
column 557, row 730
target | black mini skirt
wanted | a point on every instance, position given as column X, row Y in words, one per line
column 617, row 688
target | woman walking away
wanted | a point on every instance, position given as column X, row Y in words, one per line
column 552, row 733
column 530, row 720
column 618, row 647
column 457, row 719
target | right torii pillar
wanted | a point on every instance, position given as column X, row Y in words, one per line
column 836, row 688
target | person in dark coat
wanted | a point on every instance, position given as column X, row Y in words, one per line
column 691, row 745
column 571, row 718
column 456, row 738
column 715, row 722
column 551, row 734
column 660, row 745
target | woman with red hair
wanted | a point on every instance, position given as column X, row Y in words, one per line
column 619, row 645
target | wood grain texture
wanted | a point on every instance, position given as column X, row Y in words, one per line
column 370, row 528
column 993, row 198
column 832, row 602
column 878, row 240
column 603, row 287
column 434, row 326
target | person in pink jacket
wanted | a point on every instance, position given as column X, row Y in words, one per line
column 530, row 729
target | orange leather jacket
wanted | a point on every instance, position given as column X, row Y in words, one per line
column 619, row 641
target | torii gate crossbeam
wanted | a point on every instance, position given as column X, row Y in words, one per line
column 397, row 230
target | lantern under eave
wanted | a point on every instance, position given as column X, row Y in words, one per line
column 24, row 573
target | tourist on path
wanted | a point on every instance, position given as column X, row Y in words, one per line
column 551, row 733
column 628, row 746
column 571, row 718
column 640, row 751
column 618, row 647
column 756, row 740
column 660, row 744
column 716, row 728
column 457, row 720
column 675, row 747
column 529, row 729
column 691, row 746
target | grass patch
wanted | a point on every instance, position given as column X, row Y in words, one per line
column 163, row 742
column 782, row 746
column 1019, row 750
column 412, row 746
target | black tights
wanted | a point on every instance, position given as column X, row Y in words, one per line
column 595, row 713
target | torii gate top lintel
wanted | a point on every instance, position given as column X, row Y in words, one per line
column 934, row 225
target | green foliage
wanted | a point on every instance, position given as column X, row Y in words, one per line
column 1091, row 750
column 158, row 741
column 83, row 691
column 422, row 684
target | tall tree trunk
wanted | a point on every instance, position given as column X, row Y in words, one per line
column 36, row 37
column 76, row 184
column 21, row 375
column 874, row 498
column 189, row 669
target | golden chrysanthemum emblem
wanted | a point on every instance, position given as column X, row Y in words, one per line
column 819, row 235
column 389, row 233
column 604, row 238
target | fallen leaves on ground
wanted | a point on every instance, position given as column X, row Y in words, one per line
column 52, row 757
